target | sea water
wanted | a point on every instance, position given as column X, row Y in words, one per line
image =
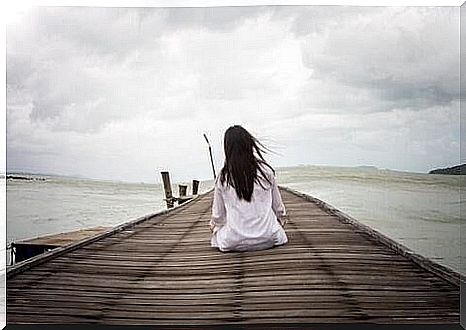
column 421, row 211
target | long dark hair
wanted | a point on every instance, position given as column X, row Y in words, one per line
column 243, row 162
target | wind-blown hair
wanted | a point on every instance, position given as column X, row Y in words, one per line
column 243, row 162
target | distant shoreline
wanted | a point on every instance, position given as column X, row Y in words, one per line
column 455, row 170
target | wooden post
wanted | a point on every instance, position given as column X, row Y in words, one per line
column 183, row 189
column 195, row 187
column 168, row 189
column 13, row 253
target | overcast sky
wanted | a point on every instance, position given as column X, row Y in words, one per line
column 121, row 93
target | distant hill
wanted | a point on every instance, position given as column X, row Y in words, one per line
column 455, row 170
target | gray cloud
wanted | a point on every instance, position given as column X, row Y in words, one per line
column 222, row 19
column 103, row 91
column 405, row 57
column 307, row 20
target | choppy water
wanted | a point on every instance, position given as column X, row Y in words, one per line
column 419, row 210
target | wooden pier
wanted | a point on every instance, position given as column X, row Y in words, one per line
column 160, row 269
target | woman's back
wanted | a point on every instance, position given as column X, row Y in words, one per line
column 240, row 225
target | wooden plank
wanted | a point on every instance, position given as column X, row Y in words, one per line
column 175, row 300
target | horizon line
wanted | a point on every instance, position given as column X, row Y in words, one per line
column 79, row 176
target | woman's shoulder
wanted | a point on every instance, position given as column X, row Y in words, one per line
column 219, row 183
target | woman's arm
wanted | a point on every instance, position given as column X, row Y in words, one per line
column 277, row 204
column 218, row 210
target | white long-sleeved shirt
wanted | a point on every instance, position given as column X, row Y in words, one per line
column 239, row 225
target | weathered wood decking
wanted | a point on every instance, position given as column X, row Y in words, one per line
column 28, row 248
column 161, row 270
column 64, row 239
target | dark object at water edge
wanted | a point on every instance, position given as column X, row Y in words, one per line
column 16, row 177
column 455, row 170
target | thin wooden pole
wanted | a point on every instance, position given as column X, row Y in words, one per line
column 211, row 158
column 168, row 189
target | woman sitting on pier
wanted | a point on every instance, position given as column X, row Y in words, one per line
column 247, row 211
